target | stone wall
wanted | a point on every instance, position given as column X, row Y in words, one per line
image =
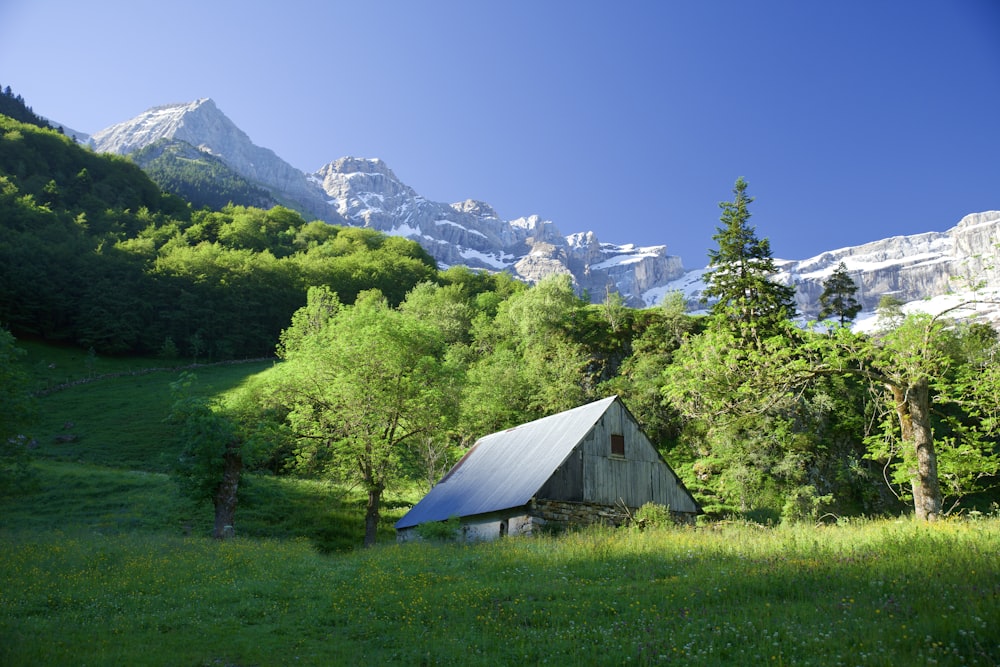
column 562, row 512
column 576, row 513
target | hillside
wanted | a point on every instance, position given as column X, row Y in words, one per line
column 198, row 176
column 365, row 192
column 104, row 563
column 93, row 253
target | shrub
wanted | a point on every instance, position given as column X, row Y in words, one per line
column 440, row 531
column 652, row 515
column 804, row 504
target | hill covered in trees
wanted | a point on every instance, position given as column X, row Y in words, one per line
column 93, row 253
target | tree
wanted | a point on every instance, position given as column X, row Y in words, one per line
column 361, row 384
column 527, row 363
column 655, row 336
column 923, row 369
column 740, row 270
column 837, row 299
column 747, row 420
column 211, row 461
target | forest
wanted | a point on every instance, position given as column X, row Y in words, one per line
column 389, row 368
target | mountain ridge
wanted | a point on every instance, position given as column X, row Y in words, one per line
column 365, row 192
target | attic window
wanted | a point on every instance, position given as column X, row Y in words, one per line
column 618, row 445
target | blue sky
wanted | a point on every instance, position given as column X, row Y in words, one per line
column 851, row 121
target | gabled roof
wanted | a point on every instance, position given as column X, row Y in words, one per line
column 506, row 469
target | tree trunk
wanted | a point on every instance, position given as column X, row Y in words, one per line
column 225, row 493
column 913, row 408
column 372, row 513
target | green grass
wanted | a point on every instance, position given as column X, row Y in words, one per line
column 116, row 415
column 104, row 563
column 878, row 593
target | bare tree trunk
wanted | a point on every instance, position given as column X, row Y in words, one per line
column 225, row 493
column 913, row 409
column 372, row 513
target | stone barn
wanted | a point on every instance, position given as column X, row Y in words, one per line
column 591, row 464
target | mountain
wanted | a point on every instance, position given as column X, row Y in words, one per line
column 203, row 126
column 365, row 192
column 929, row 272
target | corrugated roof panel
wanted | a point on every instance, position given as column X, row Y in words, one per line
column 505, row 469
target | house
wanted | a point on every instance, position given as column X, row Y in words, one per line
column 585, row 465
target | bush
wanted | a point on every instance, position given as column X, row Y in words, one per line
column 440, row 531
column 804, row 504
column 652, row 515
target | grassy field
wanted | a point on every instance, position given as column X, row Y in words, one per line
column 105, row 564
column 870, row 594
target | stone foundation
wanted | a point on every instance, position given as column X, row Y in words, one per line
column 576, row 513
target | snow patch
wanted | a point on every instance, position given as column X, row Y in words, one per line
column 498, row 263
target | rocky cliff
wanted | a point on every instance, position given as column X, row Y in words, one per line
column 960, row 262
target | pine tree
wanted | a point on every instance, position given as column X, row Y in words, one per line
column 837, row 299
column 740, row 271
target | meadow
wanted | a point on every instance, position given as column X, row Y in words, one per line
column 103, row 563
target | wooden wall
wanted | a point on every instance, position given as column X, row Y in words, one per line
column 639, row 477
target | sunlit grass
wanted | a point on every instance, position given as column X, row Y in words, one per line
column 876, row 593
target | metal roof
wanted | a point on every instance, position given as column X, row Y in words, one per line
column 506, row 469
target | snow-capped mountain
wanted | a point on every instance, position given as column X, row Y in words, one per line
column 929, row 272
column 365, row 192
column 202, row 125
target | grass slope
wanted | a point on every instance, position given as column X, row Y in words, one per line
column 104, row 564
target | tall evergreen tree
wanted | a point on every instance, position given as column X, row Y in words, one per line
column 837, row 299
column 740, row 271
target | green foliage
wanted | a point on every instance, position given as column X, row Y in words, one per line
column 206, row 435
column 198, row 176
column 93, row 253
column 440, row 531
column 837, row 299
column 652, row 516
column 15, row 107
column 17, row 413
column 739, row 276
column 527, row 361
column 654, row 336
column 804, row 504
column 18, row 407
column 358, row 385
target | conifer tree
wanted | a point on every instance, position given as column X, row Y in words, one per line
column 740, row 271
column 837, row 299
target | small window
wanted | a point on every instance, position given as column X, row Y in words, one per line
column 618, row 445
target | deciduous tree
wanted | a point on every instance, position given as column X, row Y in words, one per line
column 360, row 384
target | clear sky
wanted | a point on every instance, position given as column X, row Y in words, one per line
column 851, row 121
